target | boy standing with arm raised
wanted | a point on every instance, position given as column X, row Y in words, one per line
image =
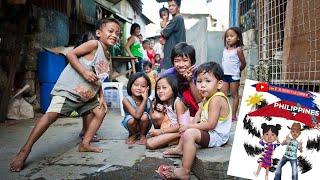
column 77, row 89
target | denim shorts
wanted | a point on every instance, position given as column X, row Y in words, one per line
column 125, row 120
column 230, row 78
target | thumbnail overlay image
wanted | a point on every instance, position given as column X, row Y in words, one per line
column 277, row 134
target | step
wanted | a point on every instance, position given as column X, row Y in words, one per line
column 212, row 163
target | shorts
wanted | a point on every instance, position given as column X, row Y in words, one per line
column 210, row 139
column 231, row 79
column 65, row 106
column 125, row 120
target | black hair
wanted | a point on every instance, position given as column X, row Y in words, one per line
column 173, row 82
column 210, row 67
column 147, row 64
column 101, row 22
column 183, row 49
column 134, row 77
column 163, row 9
column 134, row 26
column 89, row 35
column 238, row 31
column 275, row 129
column 145, row 41
column 178, row 2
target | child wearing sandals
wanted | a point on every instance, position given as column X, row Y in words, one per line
column 213, row 117
column 137, row 107
column 172, row 112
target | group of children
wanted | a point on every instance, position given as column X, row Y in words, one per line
column 176, row 119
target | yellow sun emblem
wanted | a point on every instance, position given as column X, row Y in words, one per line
column 255, row 99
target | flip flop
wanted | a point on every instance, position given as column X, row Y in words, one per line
column 172, row 156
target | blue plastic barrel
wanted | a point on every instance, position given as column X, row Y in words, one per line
column 50, row 66
column 45, row 97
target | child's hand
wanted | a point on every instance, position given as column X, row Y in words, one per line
column 90, row 76
column 145, row 93
column 183, row 128
column 155, row 132
column 188, row 74
column 160, row 108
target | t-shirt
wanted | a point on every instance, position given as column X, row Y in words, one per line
column 291, row 150
column 174, row 33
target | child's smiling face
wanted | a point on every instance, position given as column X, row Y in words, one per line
column 147, row 69
column 182, row 64
column 164, row 90
column 108, row 34
column 139, row 86
column 269, row 136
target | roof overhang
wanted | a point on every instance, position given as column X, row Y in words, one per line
column 146, row 19
column 114, row 1
column 109, row 6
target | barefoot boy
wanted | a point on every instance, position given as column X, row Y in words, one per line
column 77, row 89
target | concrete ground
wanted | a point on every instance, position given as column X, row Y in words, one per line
column 55, row 155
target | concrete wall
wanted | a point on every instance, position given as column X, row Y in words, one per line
column 250, row 41
column 125, row 9
column 197, row 36
column 215, row 46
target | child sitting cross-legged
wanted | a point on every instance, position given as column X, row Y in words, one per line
column 213, row 121
column 169, row 112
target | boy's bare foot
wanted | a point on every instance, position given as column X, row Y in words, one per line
column 142, row 141
column 172, row 153
column 17, row 163
column 131, row 139
column 88, row 148
column 176, row 173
